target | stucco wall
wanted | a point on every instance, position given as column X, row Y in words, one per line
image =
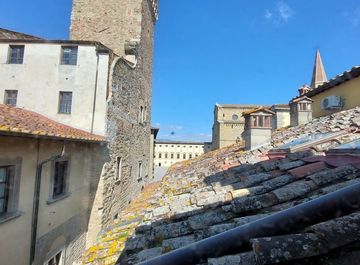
column 41, row 77
column 256, row 137
column 67, row 218
column 348, row 91
column 281, row 119
column 176, row 149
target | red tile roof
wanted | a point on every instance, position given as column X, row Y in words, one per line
column 17, row 121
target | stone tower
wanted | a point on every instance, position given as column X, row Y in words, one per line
column 113, row 22
column 126, row 27
column 319, row 75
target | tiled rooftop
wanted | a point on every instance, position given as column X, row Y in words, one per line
column 17, row 121
column 13, row 35
column 230, row 187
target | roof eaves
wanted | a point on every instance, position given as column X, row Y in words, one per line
column 339, row 79
column 100, row 47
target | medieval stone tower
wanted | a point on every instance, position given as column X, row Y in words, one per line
column 126, row 27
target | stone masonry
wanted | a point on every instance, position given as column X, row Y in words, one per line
column 126, row 27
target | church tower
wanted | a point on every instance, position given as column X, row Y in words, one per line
column 319, row 75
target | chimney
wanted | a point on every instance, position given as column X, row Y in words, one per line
column 304, row 89
column 258, row 127
column 300, row 110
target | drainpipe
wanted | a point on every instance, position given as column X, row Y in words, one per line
column 95, row 93
column 36, row 201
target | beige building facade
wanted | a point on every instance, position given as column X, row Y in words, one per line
column 47, row 171
column 229, row 122
column 168, row 153
column 65, row 80
column 98, row 89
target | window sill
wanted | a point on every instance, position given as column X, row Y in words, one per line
column 9, row 216
column 64, row 113
column 59, row 198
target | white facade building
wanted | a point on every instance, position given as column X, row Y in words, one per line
column 67, row 81
column 168, row 153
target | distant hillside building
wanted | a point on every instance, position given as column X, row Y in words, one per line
column 168, row 153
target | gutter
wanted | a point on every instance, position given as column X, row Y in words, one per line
column 36, row 201
column 95, row 93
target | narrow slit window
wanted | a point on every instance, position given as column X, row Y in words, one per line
column 118, row 168
column 59, row 186
column 4, row 189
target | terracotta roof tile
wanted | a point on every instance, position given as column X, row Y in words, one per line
column 17, row 121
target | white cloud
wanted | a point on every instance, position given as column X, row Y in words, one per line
column 281, row 13
column 285, row 11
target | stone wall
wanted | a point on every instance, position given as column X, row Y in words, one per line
column 115, row 23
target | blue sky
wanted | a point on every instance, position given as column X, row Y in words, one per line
column 232, row 51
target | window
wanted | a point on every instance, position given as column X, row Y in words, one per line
column 178, row 156
column 141, row 115
column 261, row 121
column 159, row 155
column 16, row 54
column 190, row 156
column 184, row 156
column 5, row 178
column 196, row 155
column 140, row 172
column 166, row 155
column 11, row 97
column 60, row 177
column 159, row 164
column 118, row 168
column 56, row 260
column 172, row 156
column 65, row 102
column 69, row 55
column 235, row 117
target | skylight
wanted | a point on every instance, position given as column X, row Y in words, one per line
column 350, row 147
column 307, row 141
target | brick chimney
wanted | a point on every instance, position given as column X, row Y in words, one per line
column 258, row 127
column 300, row 110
